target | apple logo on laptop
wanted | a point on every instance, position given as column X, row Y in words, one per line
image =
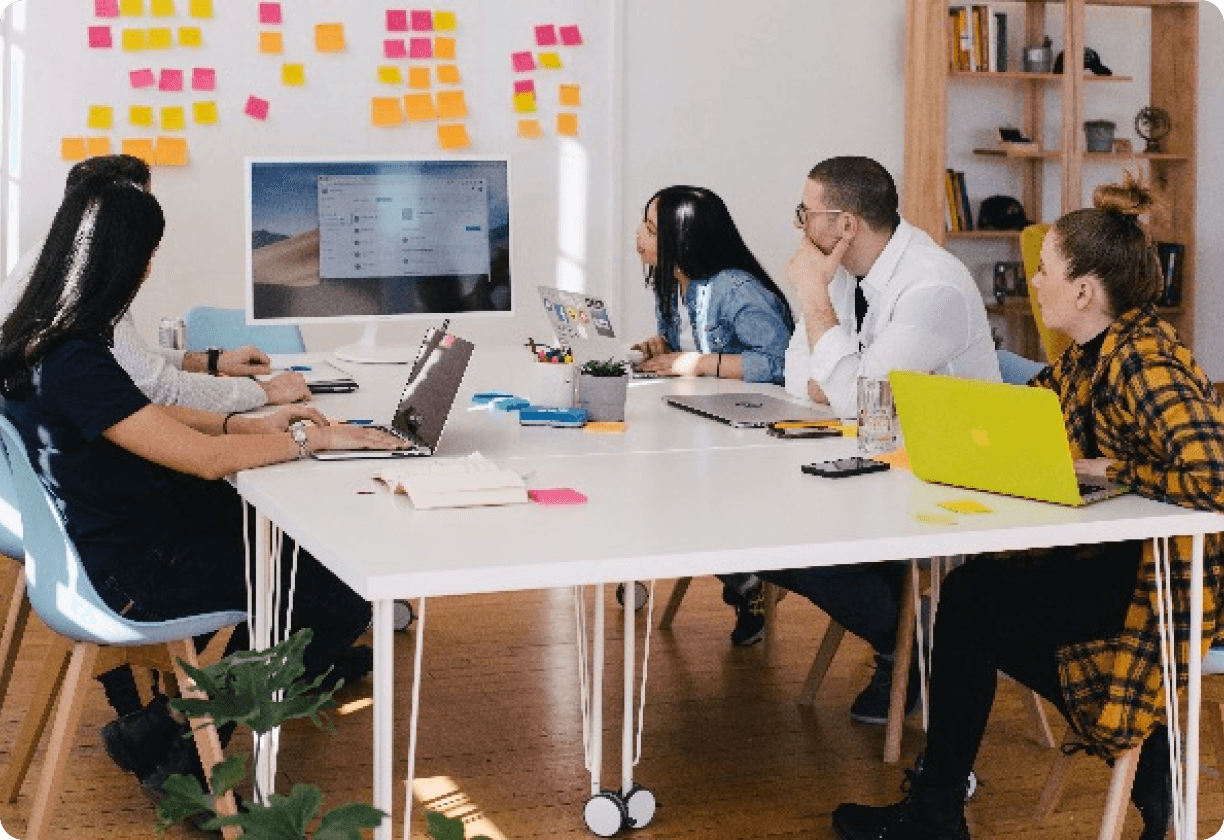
column 980, row 437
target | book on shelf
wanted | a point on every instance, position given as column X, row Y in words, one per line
column 958, row 216
column 977, row 39
column 454, row 482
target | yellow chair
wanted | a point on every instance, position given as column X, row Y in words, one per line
column 1054, row 343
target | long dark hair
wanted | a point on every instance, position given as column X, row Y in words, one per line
column 697, row 235
column 90, row 268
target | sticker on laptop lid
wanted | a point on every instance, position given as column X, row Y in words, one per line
column 448, row 340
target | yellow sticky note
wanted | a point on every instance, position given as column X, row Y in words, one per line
column 160, row 38
column 525, row 102
column 965, row 506
column 97, row 146
column 567, row 125
column 390, row 74
column 386, row 110
column 200, row 8
column 420, row 106
column 605, row 427
column 294, row 74
column 453, row 136
column 134, row 40
column 140, row 115
column 73, row 148
column 448, row 74
column 190, row 36
column 530, row 128
column 571, row 96
column 444, row 48
column 139, row 147
column 161, row 8
column 173, row 119
column 936, row 518
column 418, row 77
column 444, row 21
column 171, row 151
column 550, row 59
column 101, row 117
column 452, row 105
column 205, row 113
column 272, row 43
column 329, row 37
column 131, row 8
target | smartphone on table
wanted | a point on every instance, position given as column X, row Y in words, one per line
column 844, row 467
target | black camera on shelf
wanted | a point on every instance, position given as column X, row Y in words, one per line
column 1009, row 280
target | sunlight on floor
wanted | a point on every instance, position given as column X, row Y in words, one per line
column 442, row 794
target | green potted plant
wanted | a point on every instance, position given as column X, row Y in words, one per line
column 602, row 388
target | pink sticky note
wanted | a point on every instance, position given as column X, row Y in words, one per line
column 171, row 80
column 420, row 48
column 100, row 37
column 270, row 13
column 557, row 496
column 422, row 20
column 203, row 78
column 397, row 20
column 571, row 36
column 546, row 36
column 106, row 8
column 524, row 86
column 394, row 48
column 257, row 108
column 142, row 78
column 522, row 61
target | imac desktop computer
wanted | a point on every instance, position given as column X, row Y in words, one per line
column 367, row 240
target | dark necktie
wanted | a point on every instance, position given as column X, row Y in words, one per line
column 860, row 304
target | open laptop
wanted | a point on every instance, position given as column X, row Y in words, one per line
column 582, row 324
column 990, row 436
column 748, row 411
column 426, row 401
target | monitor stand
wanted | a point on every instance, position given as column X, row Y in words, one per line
column 367, row 350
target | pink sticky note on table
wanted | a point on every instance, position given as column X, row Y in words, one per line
column 420, row 48
column 394, row 48
column 270, row 13
column 106, row 8
column 422, row 20
column 523, row 62
column 100, row 37
column 397, row 20
column 546, row 36
column 257, row 108
column 524, row 86
column 571, row 36
column 142, row 78
column 203, row 78
column 557, row 496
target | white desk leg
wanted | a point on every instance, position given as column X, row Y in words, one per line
column 266, row 577
column 1194, row 689
column 416, row 714
column 597, row 692
column 630, row 651
column 384, row 713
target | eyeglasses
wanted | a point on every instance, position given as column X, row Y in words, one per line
column 802, row 212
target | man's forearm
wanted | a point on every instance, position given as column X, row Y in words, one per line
column 818, row 320
column 195, row 362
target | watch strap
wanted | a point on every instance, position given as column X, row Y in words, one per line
column 214, row 354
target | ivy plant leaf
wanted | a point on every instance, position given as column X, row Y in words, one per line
column 442, row 827
column 184, row 798
column 228, row 774
column 347, row 821
column 284, row 818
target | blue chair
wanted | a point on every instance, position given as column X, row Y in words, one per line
column 1017, row 370
column 209, row 326
column 61, row 594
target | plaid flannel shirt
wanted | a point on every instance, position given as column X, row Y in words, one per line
column 1158, row 417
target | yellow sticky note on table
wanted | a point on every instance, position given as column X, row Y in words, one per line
column 531, row 128
column 965, row 506
column 571, row 96
column 444, row 21
column 420, row 106
column 606, row 427
column 390, row 74
column 448, row 74
column 525, row 102
column 97, row 146
column 200, row 8
column 294, row 74
column 73, row 148
column 418, row 77
column 453, row 136
column 271, row 43
column 190, row 36
column 567, row 125
column 205, row 113
column 131, row 8
column 386, row 110
column 173, row 119
column 936, row 518
column 160, row 38
column 139, row 147
column 171, row 151
column 134, row 40
column 101, row 117
column 444, row 48
column 452, row 105
column 550, row 59
column 161, row 8
column 329, row 37
column 140, row 115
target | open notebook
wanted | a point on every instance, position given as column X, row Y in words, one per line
column 454, row 482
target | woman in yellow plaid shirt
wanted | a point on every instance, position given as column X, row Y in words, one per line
column 1079, row 624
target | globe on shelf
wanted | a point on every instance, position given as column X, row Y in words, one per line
column 1153, row 125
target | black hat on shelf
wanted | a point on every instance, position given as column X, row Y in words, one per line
column 1001, row 212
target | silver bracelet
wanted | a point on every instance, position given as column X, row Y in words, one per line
column 298, row 430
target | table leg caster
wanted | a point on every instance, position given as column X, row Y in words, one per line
column 640, row 594
column 403, row 615
column 640, row 806
column 605, row 813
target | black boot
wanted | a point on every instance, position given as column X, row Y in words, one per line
column 1152, row 791
column 926, row 813
column 139, row 741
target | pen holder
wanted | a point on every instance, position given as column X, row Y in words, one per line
column 553, row 384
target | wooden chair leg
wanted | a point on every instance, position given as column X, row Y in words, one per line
column 1213, row 713
column 1056, row 783
column 1119, row 795
column 673, row 603
column 73, row 696
column 829, row 643
column 16, row 615
column 903, row 654
column 771, row 595
column 1037, row 714
column 42, row 703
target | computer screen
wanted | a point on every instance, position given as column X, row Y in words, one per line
column 358, row 239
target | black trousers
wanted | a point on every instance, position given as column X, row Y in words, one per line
column 1012, row 613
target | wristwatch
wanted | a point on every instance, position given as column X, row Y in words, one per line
column 214, row 353
column 298, row 430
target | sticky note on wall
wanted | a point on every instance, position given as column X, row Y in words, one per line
column 571, row 36
column 529, row 128
column 523, row 62
column 422, row 20
column 134, row 40
column 420, row 48
column 418, row 77
column 139, row 147
column 444, row 47
column 571, row 96
column 142, row 78
column 170, row 151
column 100, row 37
column 452, row 105
column 271, row 43
column 173, row 119
column 329, row 37
column 551, row 60
column 160, row 38
column 395, row 48
column 397, row 20
column 293, row 75
column 170, row 79
column 448, row 74
column 200, row 8
column 270, row 14
column 97, row 146
column 546, row 36
column 140, row 115
column 101, row 117
column 106, row 8
column 525, row 103
column 386, row 111
column 389, row 74
column 453, row 136
column 73, row 148
column 190, row 36
column 567, row 125
column 420, row 106
column 445, row 21
column 205, row 113
column 256, row 108
column 203, row 78
column 161, row 8
column 131, row 8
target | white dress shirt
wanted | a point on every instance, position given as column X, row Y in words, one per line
column 924, row 312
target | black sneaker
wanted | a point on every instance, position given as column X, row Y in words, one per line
column 138, row 742
column 871, row 706
column 924, row 814
column 749, row 619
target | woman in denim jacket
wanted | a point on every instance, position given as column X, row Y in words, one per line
column 735, row 322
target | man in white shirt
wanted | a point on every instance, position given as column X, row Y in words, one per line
column 875, row 294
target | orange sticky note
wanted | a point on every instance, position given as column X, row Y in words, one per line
column 140, row 115
column 134, row 40
column 550, row 59
column 205, row 113
column 571, row 96
column 390, row 74
column 272, row 43
column 294, row 74
column 525, row 103
column 567, row 125
column 452, row 105
column 448, row 74
column 101, row 117
column 420, row 106
column 329, row 37
column 453, row 136
column 444, row 21
column 73, row 148
column 444, row 48
column 171, row 151
column 131, row 8
column 387, row 110
column 139, row 147
column 418, row 77
column 161, row 38
column 161, row 8
column 200, row 8
column 173, row 119
column 97, row 146
column 530, row 128
column 190, row 36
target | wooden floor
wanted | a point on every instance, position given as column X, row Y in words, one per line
column 726, row 751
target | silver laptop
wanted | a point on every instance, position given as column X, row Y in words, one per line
column 426, row 401
column 582, row 324
column 748, row 411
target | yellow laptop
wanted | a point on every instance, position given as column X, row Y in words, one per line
column 989, row 436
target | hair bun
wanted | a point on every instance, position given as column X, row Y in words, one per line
column 1130, row 198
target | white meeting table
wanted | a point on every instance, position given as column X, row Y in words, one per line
column 728, row 501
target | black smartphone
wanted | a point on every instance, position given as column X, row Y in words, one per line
column 802, row 433
column 843, row 467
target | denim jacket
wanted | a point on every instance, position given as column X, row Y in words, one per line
column 734, row 313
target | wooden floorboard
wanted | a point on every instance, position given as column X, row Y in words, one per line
column 726, row 750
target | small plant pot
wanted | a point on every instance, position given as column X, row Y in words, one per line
column 603, row 397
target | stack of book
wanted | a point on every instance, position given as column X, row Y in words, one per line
column 957, row 215
column 977, row 39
